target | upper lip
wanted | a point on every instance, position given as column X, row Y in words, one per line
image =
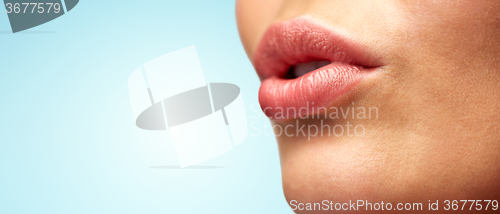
column 302, row 40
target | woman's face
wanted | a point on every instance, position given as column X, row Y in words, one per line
column 427, row 71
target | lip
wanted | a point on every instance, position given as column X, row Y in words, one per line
column 302, row 40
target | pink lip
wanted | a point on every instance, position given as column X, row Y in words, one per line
column 302, row 40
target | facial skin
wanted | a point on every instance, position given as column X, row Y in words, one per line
column 437, row 136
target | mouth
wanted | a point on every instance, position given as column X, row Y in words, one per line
column 306, row 67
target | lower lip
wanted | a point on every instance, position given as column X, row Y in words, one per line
column 308, row 94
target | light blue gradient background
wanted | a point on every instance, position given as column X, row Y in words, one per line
column 66, row 142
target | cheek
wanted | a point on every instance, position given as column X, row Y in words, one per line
column 442, row 43
column 453, row 24
column 253, row 18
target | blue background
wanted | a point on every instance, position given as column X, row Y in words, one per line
column 66, row 143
